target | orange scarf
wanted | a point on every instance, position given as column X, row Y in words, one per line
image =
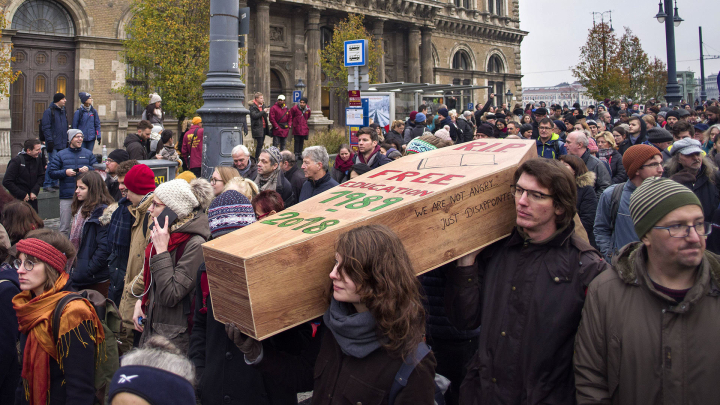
column 35, row 319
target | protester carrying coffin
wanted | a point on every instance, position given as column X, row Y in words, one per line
column 537, row 274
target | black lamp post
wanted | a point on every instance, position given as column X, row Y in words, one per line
column 300, row 86
column 508, row 97
column 671, row 19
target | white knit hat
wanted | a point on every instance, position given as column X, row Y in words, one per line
column 154, row 98
column 178, row 196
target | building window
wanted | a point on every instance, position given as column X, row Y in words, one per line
column 18, row 99
column 40, row 84
column 43, row 17
column 135, row 78
column 463, row 3
column 326, row 36
column 39, row 110
column 461, row 61
column 61, row 85
column 495, row 65
column 496, row 7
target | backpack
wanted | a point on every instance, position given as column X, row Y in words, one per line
column 40, row 130
column 111, row 321
column 615, row 204
column 401, row 378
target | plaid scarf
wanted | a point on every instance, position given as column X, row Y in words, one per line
column 120, row 225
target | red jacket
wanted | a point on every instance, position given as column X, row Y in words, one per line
column 279, row 118
column 299, row 121
column 194, row 149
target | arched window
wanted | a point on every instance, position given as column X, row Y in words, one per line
column 43, row 17
column 461, row 61
column 40, row 84
column 495, row 65
column 61, row 84
column 17, row 91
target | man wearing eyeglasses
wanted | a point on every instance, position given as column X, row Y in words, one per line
column 613, row 226
column 527, row 290
column 549, row 144
column 650, row 326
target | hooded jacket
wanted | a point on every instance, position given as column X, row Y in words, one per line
column 69, row 158
column 88, row 122
column 9, row 335
column 549, row 150
column 55, row 126
column 24, row 175
column 641, row 138
column 704, row 185
column 602, row 176
column 519, row 291
column 466, row 129
column 91, row 265
column 414, row 132
column 135, row 147
column 636, row 345
column 587, row 203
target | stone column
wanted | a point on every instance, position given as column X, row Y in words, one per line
column 426, row 58
column 262, row 50
column 414, row 54
column 317, row 121
column 378, row 27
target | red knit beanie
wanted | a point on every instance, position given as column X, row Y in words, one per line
column 140, row 180
column 636, row 156
column 43, row 251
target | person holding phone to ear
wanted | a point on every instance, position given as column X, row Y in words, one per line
column 178, row 229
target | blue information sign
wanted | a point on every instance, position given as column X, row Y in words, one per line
column 470, row 106
column 297, row 95
column 356, row 52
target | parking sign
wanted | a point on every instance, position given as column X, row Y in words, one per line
column 297, row 95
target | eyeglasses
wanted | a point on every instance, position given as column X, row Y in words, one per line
column 683, row 231
column 652, row 165
column 259, row 217
column 108, row 160
column 545, row 128
column 534, row 196
column 214, row 181
column 28, row 264
column 154, row 204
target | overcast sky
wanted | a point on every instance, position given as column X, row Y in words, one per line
column 559, row 28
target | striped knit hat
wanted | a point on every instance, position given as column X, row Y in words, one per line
column 229, row 211
column 655, row 198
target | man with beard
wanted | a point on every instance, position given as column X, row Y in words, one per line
column 111, row 165
column 689, row 167
column 713, row 115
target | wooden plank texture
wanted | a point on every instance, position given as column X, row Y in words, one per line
column 273, row 275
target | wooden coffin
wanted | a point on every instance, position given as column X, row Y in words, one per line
column 273, row 274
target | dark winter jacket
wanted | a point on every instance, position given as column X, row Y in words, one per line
column 602, row 176
column 611, row 237
column 394, row 136
column 24, row 175
column 337, row 379
column 88, row 122
column 91, row 265
column 438, row 326
column 466, row 130
column 415, row 132
column 135, row 147
column 704, row 188
column 409, row 125
column 223, row 377
column 587, row 203
column 623, row 146
column 636, row 345
column 9, row 335
column 252, row 173
column 55, row 126
column 519, row 291
column 454, row 133
column 75, row 383
column 616, row 167
column 118, row 244
column 70, row 158
column 296, row 177
column 479, row 113
column 299, row 121
column 113, row 186
column 285, row 189
column 311, row 188
column 257, row 118
column 641, row 138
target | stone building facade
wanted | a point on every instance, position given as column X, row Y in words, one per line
column 74, row 45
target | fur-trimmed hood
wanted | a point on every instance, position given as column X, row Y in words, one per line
column 586, row 179
column 203, row 191
column 107, row 214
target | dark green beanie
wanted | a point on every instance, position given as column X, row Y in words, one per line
column 655, row 198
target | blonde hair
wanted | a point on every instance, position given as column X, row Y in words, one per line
column 244, row 186
column 227, row 173
column 608, row 136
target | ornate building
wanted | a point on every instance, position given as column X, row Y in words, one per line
column 70, row 46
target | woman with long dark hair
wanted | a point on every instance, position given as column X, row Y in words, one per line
column 91, row 218
column 19, row 218
column 153, row 112
column 343, row 164
column 375, row 322
column 56, row 369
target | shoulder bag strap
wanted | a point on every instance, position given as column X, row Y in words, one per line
column 401, row 378
column 57, row 313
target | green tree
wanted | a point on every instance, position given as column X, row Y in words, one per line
column 168, row 49
column 597, row 68
column 7, row 76
column 332, row 57
column 656, row 78
column 634, row 63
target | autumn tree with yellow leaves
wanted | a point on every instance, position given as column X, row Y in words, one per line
column 7, row 76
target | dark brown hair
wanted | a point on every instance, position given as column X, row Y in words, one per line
column 374, row 258
column 19, row 218
column 560, row 183
column 145, row 124
column 124, row 167
column 577, row 164
column 97, row 194
column 59, row 242
column 368, row 131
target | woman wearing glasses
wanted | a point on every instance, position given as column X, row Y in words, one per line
column 55, row 370
column 221, row 177
column 267, row 203
column 172, row 258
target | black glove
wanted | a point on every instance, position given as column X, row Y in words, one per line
column 49, row 146
column 249, row 346
column 99, row 141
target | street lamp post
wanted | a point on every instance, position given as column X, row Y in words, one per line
column 671, row 19
column 224, row 93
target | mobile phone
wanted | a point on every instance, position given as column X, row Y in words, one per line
column 167, row 212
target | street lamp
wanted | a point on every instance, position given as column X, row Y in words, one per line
column 508, row 96
column 671, row 20
column 300, row 86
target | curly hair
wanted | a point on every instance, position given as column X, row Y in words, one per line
column 374, row 258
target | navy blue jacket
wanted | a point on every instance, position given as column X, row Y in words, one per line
column 88, row 122
column 312, row 188
column 55, row 132
column 9, row 335
column 438, row 325
column 91, row 265
column 69, row 158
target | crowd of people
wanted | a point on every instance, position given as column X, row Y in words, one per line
column 606, row 291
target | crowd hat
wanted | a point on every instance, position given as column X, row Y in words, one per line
column 658, row 135
column 72, row 133
column 196, row 120
column 229, row 211
column 178, row 196
column 140, row 180
column 686, row 146
column 119, row 155
column 57, row 97
column 420, row 117
column 636, row 156
column 84, row 96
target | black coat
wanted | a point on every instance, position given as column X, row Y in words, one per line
column 24, row 175
column 113, row 187
column 91, row 265
column 312, row 188
column 437, row 325
column 296, row 177
column 394, row 136
column 9, row 366
column 706, row 191
column 467, row 130
column 257, row 116
column 587, row 203
column 222, row 374
column 617, row 169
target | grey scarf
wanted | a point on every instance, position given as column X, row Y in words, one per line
column 356, row 333
column 244, row 172
column 269, row 182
